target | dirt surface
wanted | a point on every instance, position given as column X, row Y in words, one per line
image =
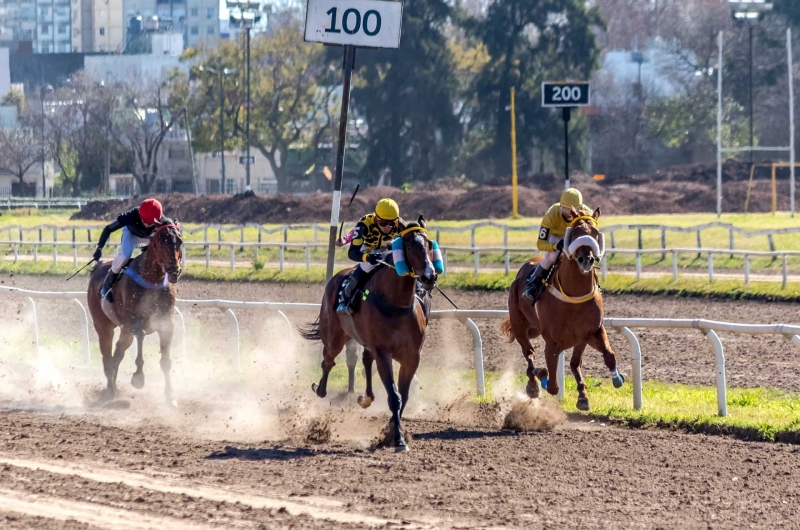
column 625, row 196
column 243, row 449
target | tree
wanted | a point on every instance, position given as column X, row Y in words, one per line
column 142, row 125
column 529, row 41
column 289, row 108
column 20, row 150
column 408, row 99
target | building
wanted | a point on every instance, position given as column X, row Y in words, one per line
column 196, row 20
column 209, row 173
column 111, row 68
column 98, row 26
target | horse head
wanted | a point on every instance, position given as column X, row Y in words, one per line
column 418, row 252
column 583, row 241
column 167, row 245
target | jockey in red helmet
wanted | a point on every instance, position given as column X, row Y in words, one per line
column 138, row 226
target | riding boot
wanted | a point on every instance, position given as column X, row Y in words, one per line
column 108, row 283
column 535, row 283
column 349, row 289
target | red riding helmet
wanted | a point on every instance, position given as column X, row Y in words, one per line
column 150, row 211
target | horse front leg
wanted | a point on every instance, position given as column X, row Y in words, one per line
column 165, row 337
column 407, row 370
column 106, row 337
column 575, row 365
column 383, row 359
column 137, row 379
column 123, row 343
column 551, row 353
column 599, row 341
column 366, row 400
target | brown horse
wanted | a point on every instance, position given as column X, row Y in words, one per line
column 569, row 314
column 141, row 306
column 391, row 324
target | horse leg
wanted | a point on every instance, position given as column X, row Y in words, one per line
column 123, row 343
column 599, row 341
column 407, row 371
column 366, row 358
column 137, row 379
column 328, row 363
column 383, row 359
column 521, row 332
column 351, row 349
column 551, row 353
column 165, row 338
column 106, row 336
column 575, row 365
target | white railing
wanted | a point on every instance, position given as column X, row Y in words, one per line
column 233, row 261
column 709, row 328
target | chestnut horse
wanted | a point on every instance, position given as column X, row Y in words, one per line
column 568, row 314
column 144, row 301
column 390, row 323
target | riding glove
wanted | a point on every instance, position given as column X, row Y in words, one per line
column 373, row 258
column 560, row 245
column 97, row 254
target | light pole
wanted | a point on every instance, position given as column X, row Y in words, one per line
column 750, row 12
column 220, row 73
column 246, row 14
column 43, row 91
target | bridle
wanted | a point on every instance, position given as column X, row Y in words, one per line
column 597, row 245
column 155, row 241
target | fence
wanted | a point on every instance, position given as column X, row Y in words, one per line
column 783, row 255
column 709, row 328
column 48, row 203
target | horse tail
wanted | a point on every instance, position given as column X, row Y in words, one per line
column 505, row 329
column 311, row 332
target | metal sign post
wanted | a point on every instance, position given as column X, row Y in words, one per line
column 350, row 23
column 565, row 95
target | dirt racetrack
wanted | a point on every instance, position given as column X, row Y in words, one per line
column 237, row 453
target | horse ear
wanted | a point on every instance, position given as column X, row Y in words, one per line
column 596, row 214
column 421, row 221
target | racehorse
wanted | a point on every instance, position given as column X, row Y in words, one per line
column 143, row 303
column 568, row 314
column 390, row 323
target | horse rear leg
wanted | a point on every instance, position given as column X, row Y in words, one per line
column 165, row 339
column 366, row 400
column 599, row 341
column 137, row 379
column 123, row 343
column 522, row 332
column 575, row 365
column 351, row 349
column 383, row 359
column 328, row 362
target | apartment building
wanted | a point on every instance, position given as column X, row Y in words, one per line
column 40, row 26
column 98, row 26
column 197, row 20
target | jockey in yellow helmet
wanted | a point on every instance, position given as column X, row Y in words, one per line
column 373, row 234
column 551, row 239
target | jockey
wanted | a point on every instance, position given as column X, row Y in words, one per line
column 373, row 232
column 138, row 226
column 551, row 239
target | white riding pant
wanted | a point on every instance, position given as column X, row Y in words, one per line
column 550, row 257
column 129, row 242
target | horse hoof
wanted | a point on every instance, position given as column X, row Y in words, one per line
column 532, row 389
column 318, row 390
column 544, row 383
column 171, row 403
column 401, row 448
column 364, row 401
column 137, row 381
column 618, row 381
column 583, row 404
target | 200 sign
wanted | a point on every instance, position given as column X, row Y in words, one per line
column 352, row 21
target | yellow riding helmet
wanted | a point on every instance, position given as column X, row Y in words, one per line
column 571, row 197
column 387, row 209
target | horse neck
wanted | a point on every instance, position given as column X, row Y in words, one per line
column 396, row 290
column 573, row 281
column 150, row 269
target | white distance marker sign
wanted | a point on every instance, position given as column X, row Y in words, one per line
column 363, row 23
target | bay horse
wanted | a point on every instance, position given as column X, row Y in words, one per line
column 568, row 314
column 391, row 322
column 143, row 303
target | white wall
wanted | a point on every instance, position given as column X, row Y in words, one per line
column 126, row 67
column 5, row 73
